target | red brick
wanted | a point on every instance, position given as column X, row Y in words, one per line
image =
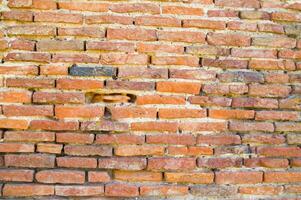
column 30, row 160
column 190, row 61
column 104, row 125
column 122, row 163
column 13, row 123
column 19, row 70
column 254, row 102
column 74, row 138
column 17, row 96
column 171, row 164
column 279, row 151
column 199, row 178
column 53, row 70
column 189, row 151
column 58, row 17
column 251, row 126
column 49, row 148
column 42, row 30
column 44, row 4
column 132, row 34
column 266, row 162
column 87, row 150
column 109, row 19
column 53, row 125
column 171, row 139
column 261, row 190
column 138, row 150
column 122, row 59
column 181, row 10
column 276, row 78
column 83, row 6
column 141, row 72
column 276, row 42
column 74, row 58
column 137, row 176
column 219, row 162
column 29, row 83
column 218, row 139
column 292, row 188
column 27, row 110
column 288, row 126
column 272, row 65
column 246, row 177
column 225, row 63
column 93, row 32
column 163, row 190
column 98, row 176
column 16, row 175
column 290, row 54
column 60, row 45
column 62, row 112
column 110, row 46
column 271, row 28
column 263, row 139
column 222, row 13
column 17, row 15
column 228, row 39
column 60, row 176
column 181, row 36
column 155, row 126
column 135, row 7
column 76, row 162
column 26, row 136
column 204, row 24
column 282, row 177
column 79, row 191
column 194, row 74
column 58, row 98
column 238, row 3
column 242, row 26
column 290, row 103
column 170, row 113
column 119, row 189
column 159, row 48
column 119, row 139
column 203, row 126
column 285, row 16
column 28, row 57
column 178, row 87
column 16, row 147
column 131, row 112
column 19, row 3
column 254, row 53
column 27, row 190
column 277, row 115
column 159, row 99
column 272, row 90
column 210, row 101
column 157, row 21
column 232, row 114
column 79, row 84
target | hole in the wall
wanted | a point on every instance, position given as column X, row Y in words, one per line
column 93, row 97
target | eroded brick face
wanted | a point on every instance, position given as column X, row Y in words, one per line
column 176, row 99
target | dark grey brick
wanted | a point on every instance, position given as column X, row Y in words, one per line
column 77, row 70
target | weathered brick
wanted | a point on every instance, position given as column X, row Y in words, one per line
column 163, row 190
column 243, row 177
column 119, row 139
column 60, row 176
column 228, row 39
column 104, row 125
column 118, row 189
column 16, row 175
column 28, row 110
column 122, row 163
column 87, row 150
column 78, row 111
column 27, row 190
column 26, row 136
column 169, row 113
column 30, row 160
column 76, row 70
column 98, row 176
column 76, row 162
column 266, row 162
column 171, row 139
column 261, row 190
column 238, row 3
column 79, row 191
column 218, row 139
column 282, row 177
column 219, row 162
column 205, row 24
column 132, row 34
column 171, row 164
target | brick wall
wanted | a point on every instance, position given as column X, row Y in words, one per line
column 188, row 98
